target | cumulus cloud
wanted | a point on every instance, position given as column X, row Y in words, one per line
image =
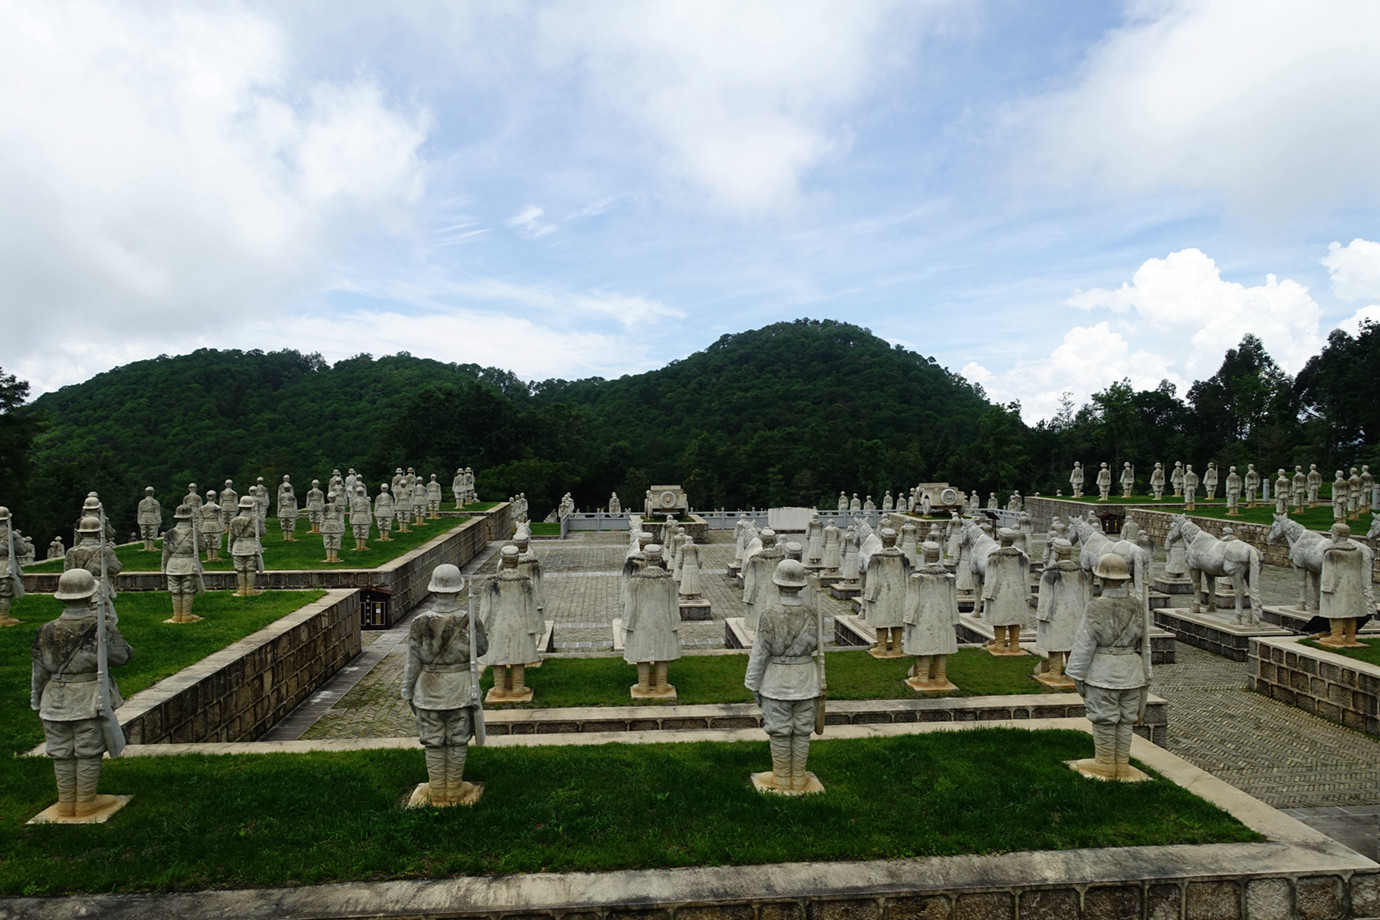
column 1355, row 269
column 164, row 168
column 740, row 100
column 1173, row 321
column 1272, row 104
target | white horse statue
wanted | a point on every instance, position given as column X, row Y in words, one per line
column 1210, row 558
column 1306, row 553
column 978, row 545
column 1094, row 544
column 1374, row 527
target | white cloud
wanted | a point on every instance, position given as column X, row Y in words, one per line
column 739, row 99
column 1355, row 269
column 1173, row 320
column 1270, row 103
column 529, row 223
column 163, row 168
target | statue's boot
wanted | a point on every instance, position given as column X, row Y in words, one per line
column 1013, row 639
column 519, row 676
column 1349, row 630
column 938, row 669
column 1336, row 638
column 187, row 615
column 65, row 769
column 897, row 636
column 920, row 669
column 1124, row 731
column 455, row 771
column 5, row 618
column 88, row 775
column 781, row 762
column 1104, row 750
column 436, row 775
column 800, row 752
column 644, row 676
column 502, row 683
column 659, row 674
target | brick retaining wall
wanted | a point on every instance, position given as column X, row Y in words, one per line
column 239, row 692
column 1335, row 687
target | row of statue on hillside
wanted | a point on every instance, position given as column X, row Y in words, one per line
column 1351, row 494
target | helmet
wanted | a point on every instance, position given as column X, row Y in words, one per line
column 4, row 513
column 510, row 556
column 789, row 574
column 768, row 536
column 653, row 550
column 75, row 585
column 247, row 501
column 89, row 524
column 183, row 513
column 1112, row 567
column 446, row 579
column 1061, row 546
column 148, row 489
column 930, row 550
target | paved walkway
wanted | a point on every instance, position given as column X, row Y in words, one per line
column 1322, row 773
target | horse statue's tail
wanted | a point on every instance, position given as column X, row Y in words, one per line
column 1256, row 587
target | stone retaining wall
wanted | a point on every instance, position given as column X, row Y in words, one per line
column 1335, row 687
column 239, row 692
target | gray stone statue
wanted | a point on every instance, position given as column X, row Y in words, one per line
column 759, row 591
column 1233, row 491
column 1110, row 667
column 1006, row 594
column 1281, row 492
column 433, row 498
column 1128, row 479
column 181, row 566
column 457, row 488
column 1354, row 496
column 1339, row 497
column 843, row 501
column 1176, row 478
column 11, row 584
column 1076, row 479
column 56, row 550
column 1346, row 594
column 1190, row 486
column 1064, row 593
column 931, row 619
column 508, row 612
column 1250, row 484
column 70, row 698
column 149, row 517
column 652, row 627
column 88, row 552
column 833, row 550
column 784, row 678
column 884, row 596
column 383, row 512
column 316, row 505
column 691, row 583
column 287, row 510
column 441, row 685
column 1299, row 489
column 615, row 506
column 361, row 514
column 1315, row 481
column 1157, row 481
column 229, row 502
column 1210, row 481
column 212, row 526
column 333, row 525
column 246, row 549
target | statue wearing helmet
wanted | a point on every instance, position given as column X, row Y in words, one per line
column 64, row 693
column 785, row 680
column 89, row 549
column 1110, row 667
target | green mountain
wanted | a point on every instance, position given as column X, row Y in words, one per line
column 788, row 414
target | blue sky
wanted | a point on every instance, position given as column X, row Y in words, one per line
column 1045, row 197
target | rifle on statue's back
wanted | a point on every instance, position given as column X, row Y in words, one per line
column 111, row 729
column 819, row 651
column 258, row 539
column 476, row 702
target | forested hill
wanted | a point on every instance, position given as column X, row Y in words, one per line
column 790, row 413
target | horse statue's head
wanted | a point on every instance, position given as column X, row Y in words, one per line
column 1277, row 528
column 1374, row 527
column 1176, row 529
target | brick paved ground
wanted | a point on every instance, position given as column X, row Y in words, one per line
column 1327, row 775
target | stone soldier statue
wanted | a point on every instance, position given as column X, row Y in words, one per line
column 68, row 694
column 759, row 591
column 1315, row 481
column 1104, row 483
column 260, row 493
column 457, row 488
column 181, row 566
column 1251, row 483
column 1346, row 595
column 1299, row 489
column 507, row 610
column 333, row 525
column 229, row 502
column 1190, row 486
column 1014, row 503
column 1367, row 488
column 287, row 510
column 433, row 498
column 212, row 526
column 245, row 549
column 1076, row 479
column 1157, row 481
column 1128, row 479
column 89, row 550
column 530, row 565
column 833, row 550
column 149, row 516
column 785, row 681
column 1354, row 496
column 1064, row 593
column 420, row 503
column 652, row 626
column 316, row 504
column 1281, row 492
column 441, row 684
column 931, row 619
column 56, row 550
column 193, row 497
column 615, row 506
column 1110, row 667
column 1210, row 481
column 11, row 584
column 843, row 501
column 1339, row 497
column 402, row 502
column 1176, row 478
column 1233, row 491
column 383, row 512
column 1006, row 594
column 361, row 516
column 888, row 503
column 884, row 596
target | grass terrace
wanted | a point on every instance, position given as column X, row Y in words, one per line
column 1370, row 654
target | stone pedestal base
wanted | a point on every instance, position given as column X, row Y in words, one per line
column 191, row 618
column 929, row 686
column 665, row 693
column 524, row 696
column 875, row 652
column 763, row 782
column 697, row 609
column 845, row 590
column 9, row 621
column 1166, row 584
column 421, row 796
column 107, row 805
column 736, row 633
column 1086, row 768
column 1053, row 682
column 1003, row 652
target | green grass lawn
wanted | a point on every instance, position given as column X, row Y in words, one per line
column 719, row 679
column 1319, row 518
column 267, row 820
column 160, row 649
column 1370, row 655
column 544, row 529
column 305, row 552
column 480, row 506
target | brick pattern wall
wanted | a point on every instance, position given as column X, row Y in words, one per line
column 238, row 693
column 1316, row 682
